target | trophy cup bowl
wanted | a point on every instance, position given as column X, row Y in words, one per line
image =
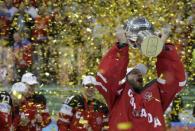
column 140, row 34
column 150, row 45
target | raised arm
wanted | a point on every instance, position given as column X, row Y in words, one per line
column 171, row 74
column 111, row 70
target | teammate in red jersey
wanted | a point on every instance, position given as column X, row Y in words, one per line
column 22, row 109
column 132, row 106
column 83, row 112
column 5, row 111
column 31, row 112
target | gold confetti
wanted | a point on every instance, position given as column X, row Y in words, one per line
column 124, row 125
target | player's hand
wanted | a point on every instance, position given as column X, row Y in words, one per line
column 39, row 118
column 24, row 120
column 121, row 37
column 164, row 33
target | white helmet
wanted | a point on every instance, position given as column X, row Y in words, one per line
column 19, row 87
column 18, row 92
column 29, row 78
column 89, row 80
column 141, row 67
column 134, row 25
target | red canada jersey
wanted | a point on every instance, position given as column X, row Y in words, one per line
column 25, row 119
column 131, row 111
column 78, row 114
column 32, row 115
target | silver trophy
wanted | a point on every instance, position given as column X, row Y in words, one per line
column 140, row 34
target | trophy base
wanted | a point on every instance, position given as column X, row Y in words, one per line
column 151, row 46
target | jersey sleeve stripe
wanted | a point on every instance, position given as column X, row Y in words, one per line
column 102, row 77
column 161, row 81
column 100, row 84
column 182, row 83
column 65, row 120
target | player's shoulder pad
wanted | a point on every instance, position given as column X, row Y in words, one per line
column 5, row 97
column 4, row 92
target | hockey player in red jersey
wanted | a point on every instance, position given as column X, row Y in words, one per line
column 43, row 118
column 5, row 111
column 83, row 112
column 32, row 113
column 131, row 103
column 23, row 111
